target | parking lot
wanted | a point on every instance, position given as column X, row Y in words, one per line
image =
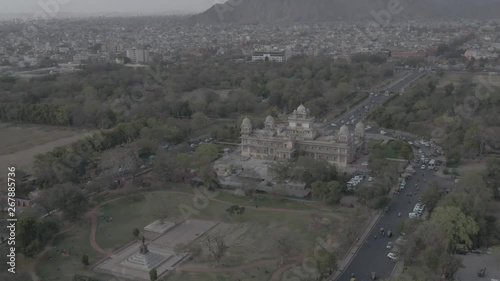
column 473, row 262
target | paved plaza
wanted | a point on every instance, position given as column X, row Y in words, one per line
column 136, row 260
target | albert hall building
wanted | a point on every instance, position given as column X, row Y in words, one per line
column 285, row 141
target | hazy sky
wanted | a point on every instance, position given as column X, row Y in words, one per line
column 95, row 6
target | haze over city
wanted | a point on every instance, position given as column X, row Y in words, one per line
column 249, row 140
column 110, row 6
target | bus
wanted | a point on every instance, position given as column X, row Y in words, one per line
column 431, row 164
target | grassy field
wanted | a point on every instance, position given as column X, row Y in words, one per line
column 261, row 273
column 129, row 213
column 62, row 268
column 250, row 236
column 20, row 143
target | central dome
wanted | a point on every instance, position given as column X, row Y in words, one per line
column 344, row 130
column 301, row 109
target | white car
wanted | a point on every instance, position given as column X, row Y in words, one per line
column 382, row 132
column 410, row 143
column 412, row 215
column 422, row 167
column 389, row 245
column 392, row 256
column 370, row 179
column 333, row 124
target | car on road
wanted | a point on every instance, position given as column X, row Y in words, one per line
column 392, row 256
column 422, row 167
column 382, row 132
column 389, row 245
column 333, row 124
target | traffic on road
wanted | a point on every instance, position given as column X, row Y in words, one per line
column 378, row 254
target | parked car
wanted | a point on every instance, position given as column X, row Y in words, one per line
column 392, row 256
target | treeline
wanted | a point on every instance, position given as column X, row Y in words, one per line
column 467, row 216
column 71, row 163
column 452, row 115
column 113, row 94
column 48, row 114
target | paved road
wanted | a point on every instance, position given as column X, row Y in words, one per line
column 372, row 255
column 362, row 110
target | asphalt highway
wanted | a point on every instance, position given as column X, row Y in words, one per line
column 372, row 255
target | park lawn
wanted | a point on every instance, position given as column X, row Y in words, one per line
column 126, row 214
column 63, row 268
column 265, row 201
column 269, row 202
column 260, row 273
column 254, row 228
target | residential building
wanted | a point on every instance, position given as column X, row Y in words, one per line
column 138, row 56
column 269, row 56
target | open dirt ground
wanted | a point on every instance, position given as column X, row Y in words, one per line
column 20, row 143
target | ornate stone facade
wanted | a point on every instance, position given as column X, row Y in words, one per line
column 285, row 141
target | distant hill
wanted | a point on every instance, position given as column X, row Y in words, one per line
column 254, row 11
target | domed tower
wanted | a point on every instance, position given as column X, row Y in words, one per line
column 246, row 126
column 343, row 134
column 302, row 110
column 359, row 131
column 269, row 123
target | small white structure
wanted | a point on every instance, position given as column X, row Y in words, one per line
column 159, row 227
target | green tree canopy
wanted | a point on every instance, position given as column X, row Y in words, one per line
column 458, row 228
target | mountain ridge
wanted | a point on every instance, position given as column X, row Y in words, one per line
column 289, row 11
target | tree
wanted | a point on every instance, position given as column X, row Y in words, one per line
column 171, row 166
column 235, row 209
column 492, row 177
column 199, row 121
column 457, row 227
column 280, row 170
column 47, row 199
column 216, row 244
column 328, row 192
column 448, row 88
column 324, row 261
column 33, row 234
column 85, row 260
column 206, row 153
column 210, row 177
column 283, row 245
column 71, row 200
column 135, row 232
column 431, row 196
column 153, row 274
